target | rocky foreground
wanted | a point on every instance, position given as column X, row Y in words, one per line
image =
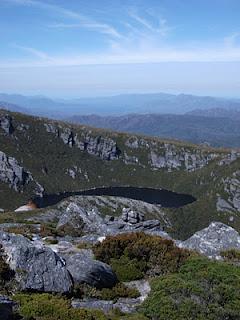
column 57, row 251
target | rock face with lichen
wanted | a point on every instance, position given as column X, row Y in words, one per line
column 212, row 240
column 12, row 173
column 173, row 158
column 15, row 175
column 84, row 269
column 37, row 268
column 6, row 124
column 232, row 190
column 102, row 147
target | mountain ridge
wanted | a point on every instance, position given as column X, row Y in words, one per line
column 64, row 157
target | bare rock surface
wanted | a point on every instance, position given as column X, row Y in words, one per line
column 12, row 173
column 212, row 240
column 37, row 267
column 85, row 269
column 126, row 305
column 231, row 185
column 6, row 124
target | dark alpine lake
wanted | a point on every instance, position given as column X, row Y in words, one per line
column 165, row 198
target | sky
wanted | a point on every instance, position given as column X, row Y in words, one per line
column 75, row 48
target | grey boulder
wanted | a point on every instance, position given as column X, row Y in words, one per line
column 37, row 267
column 212, row 240
column 71, row 223
column 84, row 269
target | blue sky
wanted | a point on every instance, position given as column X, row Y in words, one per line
column 102, row 47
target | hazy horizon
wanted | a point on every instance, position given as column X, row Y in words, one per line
column 69, row 49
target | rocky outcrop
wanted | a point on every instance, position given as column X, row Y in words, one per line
column 16, row 176
column 102, row 147
column 229, row 158
column 231, row 187
column 6, row 124
column 212, row 240
column 94, row 223
column 12, row 173
column 131, row 216
column 84, row 269
column 125, row 305
column 37, row 267
column 130, row 159
column 170, row 157
column 70, row 223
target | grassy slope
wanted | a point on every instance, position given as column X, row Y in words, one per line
column 36, row 148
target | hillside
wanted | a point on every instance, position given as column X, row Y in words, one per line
column 218, row 131
column 41, row 156
column 233, row 114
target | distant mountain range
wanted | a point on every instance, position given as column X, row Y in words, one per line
column 183, row 117
column 217, row 131
column 13, row 107
column 119, row 105
column 217, row 113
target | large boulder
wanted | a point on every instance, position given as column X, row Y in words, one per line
column 212, row 240
column 70, row 223
column 37, row 267
column 131, row 216
column 84, row 269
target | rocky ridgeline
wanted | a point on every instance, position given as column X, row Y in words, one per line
column 231, row 187
column 75, row 220
column 103, row 147
column 15, row 175
column 160, row 155
column 171, row 156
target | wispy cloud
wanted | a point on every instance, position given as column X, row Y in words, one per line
column 162, row 27
column 127, row 56
column 82, row 20
column 231, row 39
column 99, row 27
column 37, row 53
column 143, row 40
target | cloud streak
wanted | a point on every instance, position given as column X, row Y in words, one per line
column 82, row 20
column 124, row 56
column 38, row 53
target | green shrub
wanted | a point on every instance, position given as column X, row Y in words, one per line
column 84, row 245
column 132, row 255
column 119, row 291
column 231, row 255
column 50, row 307
column 128, row 269
column 48, row 230
column 25, row 229
column 51, row 241
column 201, row 290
